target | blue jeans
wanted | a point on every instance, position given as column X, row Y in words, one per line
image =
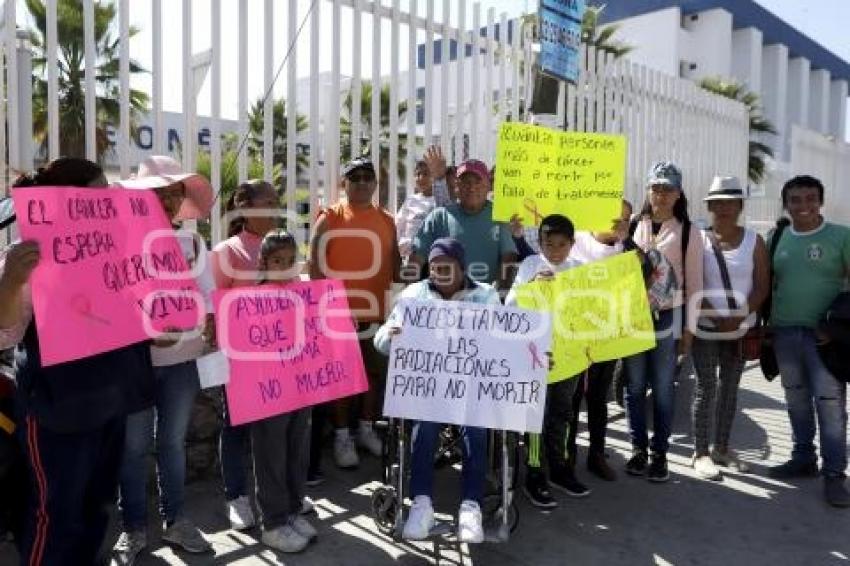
column 176, row 389
column 655, row 368
column 232, row 446
column 809, row 387
column 425, row 436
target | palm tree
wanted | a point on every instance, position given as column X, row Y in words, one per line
column 71, row 79
column 279, row 132
column 759, row 125
column 601, row 38
column 345, row 127
column 228, row 168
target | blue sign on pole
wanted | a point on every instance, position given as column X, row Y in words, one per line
column 560, row 42
column 570, row 8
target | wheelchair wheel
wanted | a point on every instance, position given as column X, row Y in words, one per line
column 385, row 509
column 491, row 511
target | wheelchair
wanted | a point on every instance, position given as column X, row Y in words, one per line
column 500, row 515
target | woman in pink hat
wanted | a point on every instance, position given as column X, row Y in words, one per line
column 184, row 196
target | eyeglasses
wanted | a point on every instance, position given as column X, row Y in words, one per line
column 363, row 178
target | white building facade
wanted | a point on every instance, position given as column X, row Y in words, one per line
column 802, row 86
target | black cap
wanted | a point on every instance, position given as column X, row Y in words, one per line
column 358, row 163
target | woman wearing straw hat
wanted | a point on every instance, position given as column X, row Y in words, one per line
column 184, row 196
column 735, row 284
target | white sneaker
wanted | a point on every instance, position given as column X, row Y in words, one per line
column 345, row 454
column 469, row 527
column 729, row 459
column 240, row 513
column 285, row 539
column 303, row 527
column 368, row 439
column 421, row 519
column 128, row 547
column 705, row 468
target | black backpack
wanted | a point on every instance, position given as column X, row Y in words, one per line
column 836, row 324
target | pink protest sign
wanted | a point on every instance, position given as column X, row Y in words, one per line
column 111, row 271
column 289, row 346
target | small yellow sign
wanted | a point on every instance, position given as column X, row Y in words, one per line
column 540, row 171
column 600, row 311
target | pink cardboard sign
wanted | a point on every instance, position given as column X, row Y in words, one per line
column 111, row 272
column 289, row 346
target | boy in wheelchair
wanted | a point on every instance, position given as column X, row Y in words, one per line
column 447, row 281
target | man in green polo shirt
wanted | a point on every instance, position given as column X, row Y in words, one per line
column 810, row 267
column 490, row 250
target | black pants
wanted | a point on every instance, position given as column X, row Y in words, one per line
column 73, row 484
column 281, row 451
column 593, row 386
column 549, row 448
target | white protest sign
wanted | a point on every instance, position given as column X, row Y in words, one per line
column 469, row 364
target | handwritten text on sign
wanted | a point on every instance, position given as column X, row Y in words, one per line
column 600, row 312
column 540, row 171
column 289, row 347
column 469, row 364
column 111, row 271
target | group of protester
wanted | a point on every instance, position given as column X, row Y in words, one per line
column 85, row 427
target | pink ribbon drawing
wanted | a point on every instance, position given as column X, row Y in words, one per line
column 82, row 305
column 535, row 356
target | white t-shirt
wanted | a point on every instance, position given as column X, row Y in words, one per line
column 739, row 264
column 587, row 248
column 409, row 218
column 194, row 250
column 531, row 267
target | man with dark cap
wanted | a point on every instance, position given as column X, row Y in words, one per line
column 489, row 247
column 447, row 281
column 355, row 241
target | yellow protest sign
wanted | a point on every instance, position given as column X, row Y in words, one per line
column 600, row 312
column 540, row 171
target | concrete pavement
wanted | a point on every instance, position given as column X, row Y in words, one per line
column 746, row 519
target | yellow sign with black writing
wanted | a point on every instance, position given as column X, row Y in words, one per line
column 540, row 171
column 600, row 311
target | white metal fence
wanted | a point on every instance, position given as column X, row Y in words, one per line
column 481, row 78
column 664, row 118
